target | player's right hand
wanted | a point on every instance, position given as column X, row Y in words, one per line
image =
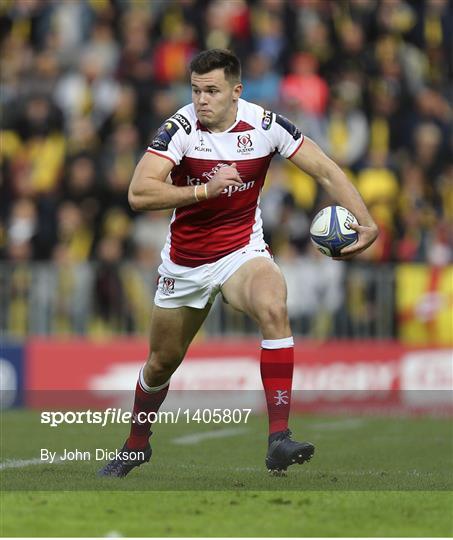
column 223, row 178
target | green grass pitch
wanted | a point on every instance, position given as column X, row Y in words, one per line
column 371, row 476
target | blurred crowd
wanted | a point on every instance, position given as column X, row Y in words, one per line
column 85, row 84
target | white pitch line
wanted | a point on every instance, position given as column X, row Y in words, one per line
column 19, row 463
column 217, row 434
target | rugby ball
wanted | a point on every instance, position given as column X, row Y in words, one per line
column 330, row 230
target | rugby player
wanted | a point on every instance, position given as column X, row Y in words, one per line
column 217, row 151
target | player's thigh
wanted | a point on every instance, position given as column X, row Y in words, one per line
column 256, row 286
column 173, row 329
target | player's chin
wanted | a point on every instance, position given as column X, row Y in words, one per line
column 206, row 121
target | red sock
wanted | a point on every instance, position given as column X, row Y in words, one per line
column 277, row 364
column 146, row 402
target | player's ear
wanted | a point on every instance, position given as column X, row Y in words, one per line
column 237, row 91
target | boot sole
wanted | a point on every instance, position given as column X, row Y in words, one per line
column 278, row 468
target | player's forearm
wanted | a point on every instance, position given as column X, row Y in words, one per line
column 156, row 195
column 337, row 185
column 311, row 159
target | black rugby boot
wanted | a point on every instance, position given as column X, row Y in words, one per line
column 283, row 452
column 126, row 460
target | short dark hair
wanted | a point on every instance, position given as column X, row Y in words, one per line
column 211, row 59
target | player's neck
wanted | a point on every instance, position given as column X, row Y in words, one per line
column 228, row 121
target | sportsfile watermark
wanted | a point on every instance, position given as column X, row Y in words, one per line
column 218, row 440
column 113, row 415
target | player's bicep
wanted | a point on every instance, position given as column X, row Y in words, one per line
column 312, row 160
column 151, row 168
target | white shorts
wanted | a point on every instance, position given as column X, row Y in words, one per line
column 180, row 286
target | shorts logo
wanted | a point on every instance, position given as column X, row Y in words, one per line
column 267, row 120
column 183, row 121
column 168, row 286
column 245, row 144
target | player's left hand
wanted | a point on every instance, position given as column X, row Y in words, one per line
column 367, row 235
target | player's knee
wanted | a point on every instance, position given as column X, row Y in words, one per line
column 162, row 364
column 272, row 314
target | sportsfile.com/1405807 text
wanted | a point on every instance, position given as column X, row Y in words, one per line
column 117, row 416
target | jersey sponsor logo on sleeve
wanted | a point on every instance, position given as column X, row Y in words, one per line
column 164, row 135
column 288, row 126
column 183, row 121
column 267, row 120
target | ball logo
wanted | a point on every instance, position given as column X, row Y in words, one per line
column 349, row 220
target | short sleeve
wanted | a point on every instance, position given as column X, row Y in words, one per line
column 285, row 136
column 170, row 141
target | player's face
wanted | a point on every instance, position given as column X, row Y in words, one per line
column 215, row 99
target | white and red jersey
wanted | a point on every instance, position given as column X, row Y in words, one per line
column 207, row 231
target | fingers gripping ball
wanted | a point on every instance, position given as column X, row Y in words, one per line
column 330, row 230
